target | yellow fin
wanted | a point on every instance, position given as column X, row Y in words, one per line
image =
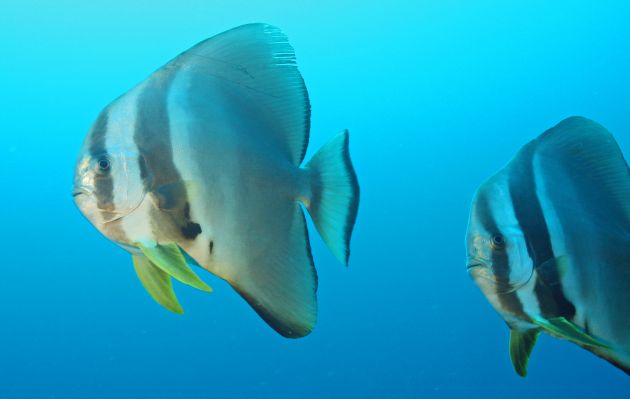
column 521, row 345
column 563, row 328
column 157, row 283
column 168, row 258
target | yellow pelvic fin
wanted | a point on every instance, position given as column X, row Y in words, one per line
column 521, row 346
column 157, row 283
column 563, row 328
column 169, row 258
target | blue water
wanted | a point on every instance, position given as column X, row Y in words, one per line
column 437, row 95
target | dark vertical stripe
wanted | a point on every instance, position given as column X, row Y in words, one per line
column 98, row 134
column 152, row 133
column 144, row 173
column 529, row 214
column 103, row 183
column 153, row 138
column 500, row 261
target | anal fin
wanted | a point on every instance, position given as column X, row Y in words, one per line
column 274, row 272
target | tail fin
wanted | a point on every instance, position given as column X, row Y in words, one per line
column 334, row 199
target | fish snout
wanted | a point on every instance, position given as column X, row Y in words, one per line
column 76, row 193
column 79, row 190
column 471, row 264
column 475, row 260
column 479, row 271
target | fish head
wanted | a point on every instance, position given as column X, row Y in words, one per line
column 497, row 256
column 108, row 184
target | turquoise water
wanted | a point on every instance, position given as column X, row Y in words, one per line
column 437, row 96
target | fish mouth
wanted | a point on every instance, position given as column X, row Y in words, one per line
column 480, row 272
column 80, row 191
column 489, row 283
column 474, row 263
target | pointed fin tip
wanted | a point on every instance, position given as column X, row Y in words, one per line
column 281, row 286
column 205, row 288
column 521, row 346
column 293, row 331
column 177, row 310
column 157, row 283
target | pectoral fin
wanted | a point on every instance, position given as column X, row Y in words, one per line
column 168, row 258
column 552, row 271
column 157, row 283
column 172, row 196
column 563, row 328
column 521, row 345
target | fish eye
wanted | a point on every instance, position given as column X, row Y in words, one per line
column 498, row 241
column 103, row 164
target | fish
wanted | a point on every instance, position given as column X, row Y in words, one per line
column 548, row 243
column 199, row 166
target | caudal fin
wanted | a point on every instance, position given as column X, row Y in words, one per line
column 334, row 199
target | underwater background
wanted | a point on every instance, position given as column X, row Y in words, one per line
column 437, row 95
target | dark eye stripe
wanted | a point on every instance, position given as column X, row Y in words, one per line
column 509, row 301
column 104, row 184
column 502, row 266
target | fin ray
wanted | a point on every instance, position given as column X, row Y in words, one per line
column 335, row 195
column 274, row 272
column 255, row 62
column 581, row 154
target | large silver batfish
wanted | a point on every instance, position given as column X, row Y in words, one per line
column 549, row 243
column 200, row 164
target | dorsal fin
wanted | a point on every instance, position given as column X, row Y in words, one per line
column 257, row 68
column 583, row 154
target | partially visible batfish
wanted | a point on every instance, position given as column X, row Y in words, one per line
column 200, row 164
column 549, row 243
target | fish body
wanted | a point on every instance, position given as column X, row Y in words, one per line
column 204, row 157
column 548, row 242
